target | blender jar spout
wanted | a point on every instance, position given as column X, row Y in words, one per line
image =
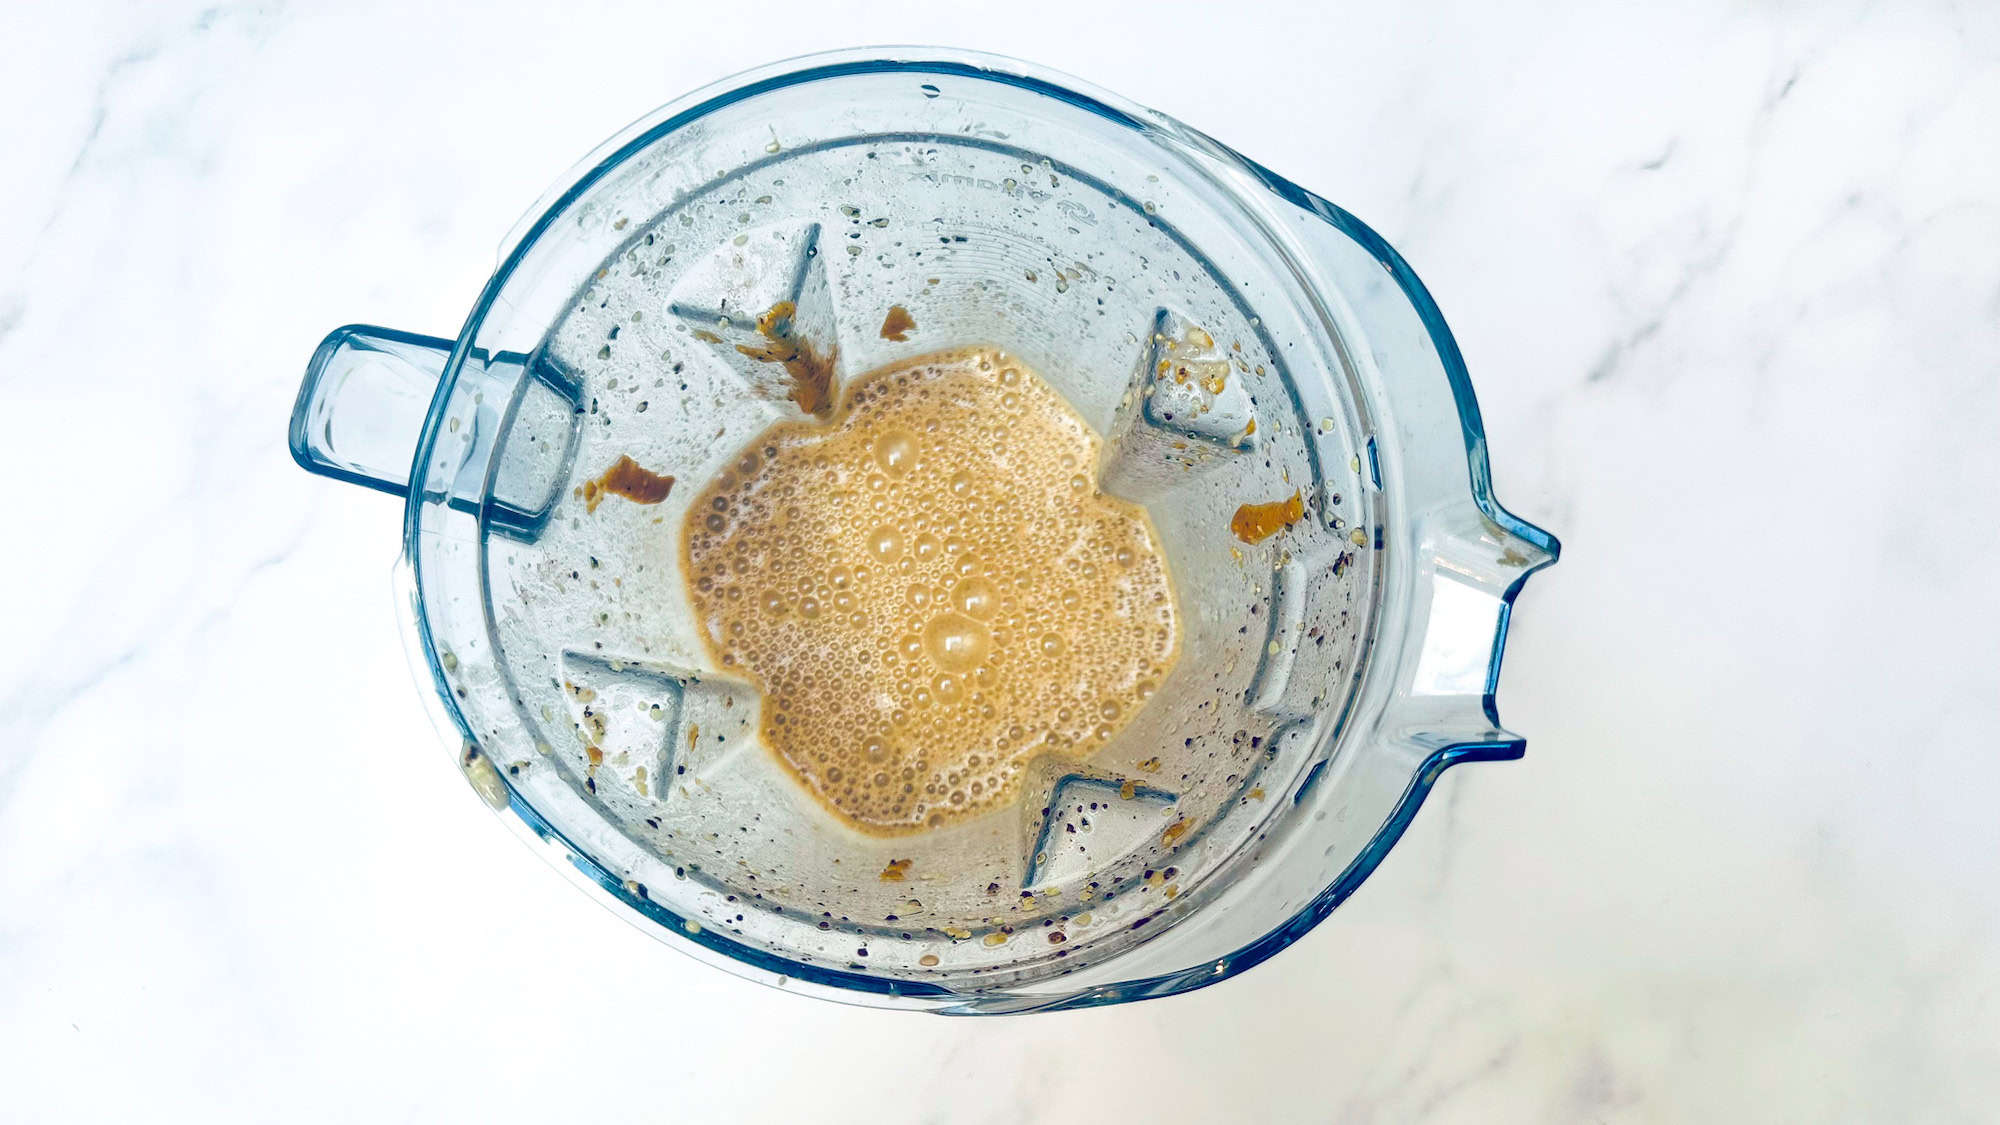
column 361, row 408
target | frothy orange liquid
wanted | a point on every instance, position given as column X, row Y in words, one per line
column 930, row 591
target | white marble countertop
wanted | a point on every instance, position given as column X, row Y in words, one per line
column 1727, row 282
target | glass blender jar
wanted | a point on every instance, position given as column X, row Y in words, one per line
column 1327, row 674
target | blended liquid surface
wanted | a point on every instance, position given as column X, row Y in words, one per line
column 930, row 591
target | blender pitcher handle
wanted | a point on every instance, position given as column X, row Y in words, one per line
column 363, row 404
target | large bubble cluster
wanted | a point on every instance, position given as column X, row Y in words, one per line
column 930, row 591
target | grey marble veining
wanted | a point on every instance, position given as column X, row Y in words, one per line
column 1726, row 279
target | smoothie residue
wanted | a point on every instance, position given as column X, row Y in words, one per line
column 1254, row 523
column 898, row 324
column 629, row 479
column 811, row 372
